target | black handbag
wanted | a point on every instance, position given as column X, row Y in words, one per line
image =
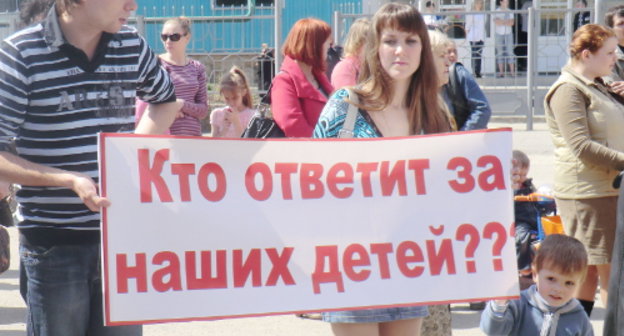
column 5, row 250
column 8, row 205
column 262, row 125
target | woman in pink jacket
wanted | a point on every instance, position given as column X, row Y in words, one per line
column 347, row 70
column 301, row 88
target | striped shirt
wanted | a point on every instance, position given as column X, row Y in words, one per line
column 54, row 101
column 190, row 85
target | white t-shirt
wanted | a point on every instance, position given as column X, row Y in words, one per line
column 504, row 15
column 475, row 25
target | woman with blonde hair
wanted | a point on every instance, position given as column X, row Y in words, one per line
column 585, row 119
column 462, row 95
column 398, row 78
column 475, row 34
column 347, row 70
column 230, row 121
column 188, row 76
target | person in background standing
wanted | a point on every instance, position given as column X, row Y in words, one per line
column 521, row 48
column 433, row 21
column 475, row 34
column 585, row 120
column 347, row 70
column 463, row 96
column 188, row 76
column 582, row 17
column 301, row 88
column 615, row 20
column 265, row 65
column 334, row 55
column 503, row 22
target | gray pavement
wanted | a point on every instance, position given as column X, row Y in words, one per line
column 535, row 143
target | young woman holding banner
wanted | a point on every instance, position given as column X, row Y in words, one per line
column 399, row 75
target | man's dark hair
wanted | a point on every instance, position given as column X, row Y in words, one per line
column 63, row 6
column 429, row 4
column 32, row 11
column 612, row 12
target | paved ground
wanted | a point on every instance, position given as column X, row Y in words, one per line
column 535, row 143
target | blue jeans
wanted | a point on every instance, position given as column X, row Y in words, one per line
column 62, row 288
column 504, row 49
column 477, row 53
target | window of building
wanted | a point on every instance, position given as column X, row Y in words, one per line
column 240, row 3
column 8, row 6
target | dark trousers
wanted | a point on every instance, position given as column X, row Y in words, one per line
column 614, row 319
column 477, row 52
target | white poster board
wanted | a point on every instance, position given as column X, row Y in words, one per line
column 203, row 228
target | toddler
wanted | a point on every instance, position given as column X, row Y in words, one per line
column 548, row 307
column 525, row 214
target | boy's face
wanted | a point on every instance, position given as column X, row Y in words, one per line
column 518, row 175
column 556, row 288
column 108, row 15
column 522, row 174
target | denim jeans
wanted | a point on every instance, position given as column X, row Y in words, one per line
column 477, row 54
column 504, row 49
column 62, row 288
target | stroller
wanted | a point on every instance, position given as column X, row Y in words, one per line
column 535, row 217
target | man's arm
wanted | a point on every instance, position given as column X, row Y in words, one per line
column 18, row 170
column 158, row 117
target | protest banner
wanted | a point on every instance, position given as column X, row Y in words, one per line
column 203, row 228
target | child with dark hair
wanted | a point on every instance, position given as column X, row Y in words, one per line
column 548, row 307
column 525, row 214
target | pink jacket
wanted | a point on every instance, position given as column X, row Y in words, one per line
column 295, row 103
column 346, row 72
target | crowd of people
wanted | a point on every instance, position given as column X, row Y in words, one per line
column 51, row 108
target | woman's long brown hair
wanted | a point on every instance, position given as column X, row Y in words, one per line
column 425, row 113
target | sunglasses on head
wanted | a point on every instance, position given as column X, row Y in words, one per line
column 173, row 37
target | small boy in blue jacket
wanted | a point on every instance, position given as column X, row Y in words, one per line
column 548, row 307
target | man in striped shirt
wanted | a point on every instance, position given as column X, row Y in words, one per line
column 62, row 81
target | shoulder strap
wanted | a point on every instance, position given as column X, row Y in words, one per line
column 453, row 80
column 349, row 124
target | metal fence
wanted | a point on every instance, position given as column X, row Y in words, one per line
column 8, row 23
column 540, row 53
column 219, row 41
